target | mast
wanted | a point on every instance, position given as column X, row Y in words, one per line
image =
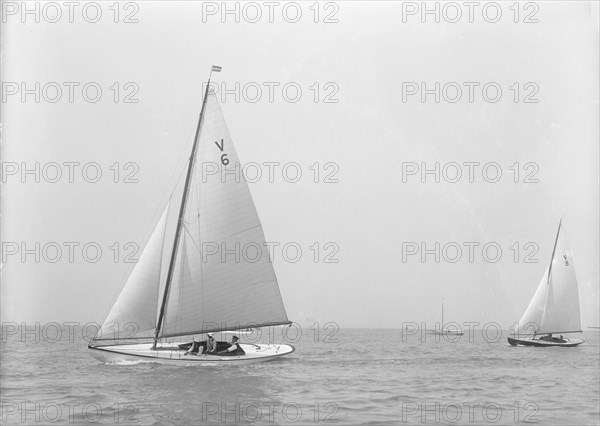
column 550, row 271
column 554, row 250
column 182, row 211
column 442, row 314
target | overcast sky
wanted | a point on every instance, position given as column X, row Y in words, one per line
column 360, row 109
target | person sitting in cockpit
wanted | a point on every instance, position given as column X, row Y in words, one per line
column 234, row 349
column 195, row 349
column 211, row 344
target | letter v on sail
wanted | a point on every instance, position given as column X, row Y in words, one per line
column 201, row 294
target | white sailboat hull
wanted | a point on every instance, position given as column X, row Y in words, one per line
column 171, row 354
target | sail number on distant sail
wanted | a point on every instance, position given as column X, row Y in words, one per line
column 224, row 159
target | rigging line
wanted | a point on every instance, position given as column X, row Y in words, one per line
column 179, row 302
column 191, row 237
column 182, row 155
column 184, row 265
column 162, row 253
column 198, row 204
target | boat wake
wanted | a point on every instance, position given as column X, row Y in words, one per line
column 126, row 362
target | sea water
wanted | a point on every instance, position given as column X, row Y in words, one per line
column 335, row 376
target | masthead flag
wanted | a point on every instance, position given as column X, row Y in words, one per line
column 216, row 68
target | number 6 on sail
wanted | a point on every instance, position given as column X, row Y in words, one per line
column 200, row 294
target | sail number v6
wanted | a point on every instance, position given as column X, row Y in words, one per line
column 224, row 159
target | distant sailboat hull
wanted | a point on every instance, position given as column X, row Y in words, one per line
column 453, row 330
column 171, row 354
column 448, row 332
column 539, row 342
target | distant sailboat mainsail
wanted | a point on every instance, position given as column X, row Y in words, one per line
column 220, row 275
column 554, row 307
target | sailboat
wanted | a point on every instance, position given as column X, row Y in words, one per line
column 447, row 331
column 554, row 308
column 201, row 293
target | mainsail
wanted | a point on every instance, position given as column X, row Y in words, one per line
column 220, row 274
column 222, row 246
column 554, row 307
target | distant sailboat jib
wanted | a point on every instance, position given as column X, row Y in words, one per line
column 554, row 308
column 200, row 294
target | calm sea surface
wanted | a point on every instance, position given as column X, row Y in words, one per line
column 368, row 376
